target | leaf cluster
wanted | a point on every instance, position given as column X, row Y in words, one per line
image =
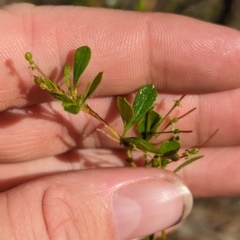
column 138, row 116
column 147, row 121
column 72, row 102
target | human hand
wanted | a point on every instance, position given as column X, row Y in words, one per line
column 38, row 138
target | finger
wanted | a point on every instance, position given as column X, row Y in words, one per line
column 173, row 52
column 15, row 174
column 216, row 174
column 92, row 204
column 46, row 130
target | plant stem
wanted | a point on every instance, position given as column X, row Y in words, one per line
column 89, row 111
column 35, row 66
column 182, row 131
column 151, row 237
column 212, row 135
column 172, row 108
column 129, row 157
column 170, row 123
column 164, row 235
column 185, row 114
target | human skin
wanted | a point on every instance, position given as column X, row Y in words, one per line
column 179, row 55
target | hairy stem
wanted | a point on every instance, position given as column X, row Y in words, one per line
column 129, row 157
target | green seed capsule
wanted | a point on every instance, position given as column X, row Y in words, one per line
column 38, row 80
column 194, row 151
column 156, row 161
column 175, row 157
column 28, row 56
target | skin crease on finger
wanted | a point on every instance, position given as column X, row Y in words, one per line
column 175, row 53
column 32, row 29
column 19, row 90
column 47, row 127
column 210, row 176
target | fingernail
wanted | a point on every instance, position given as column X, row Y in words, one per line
column 150, row 205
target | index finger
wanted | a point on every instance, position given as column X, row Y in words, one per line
column 176, row 53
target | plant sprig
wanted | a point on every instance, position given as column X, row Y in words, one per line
column 139, row 115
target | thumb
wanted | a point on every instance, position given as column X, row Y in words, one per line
column 113, row 203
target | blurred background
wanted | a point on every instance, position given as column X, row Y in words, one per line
column 211, row 218
column 224, row 12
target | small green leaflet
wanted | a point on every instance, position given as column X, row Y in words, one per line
column 125, row 109
column 169, row 147
column 187, row 163
column 50, row 85
column 93, row 86
column 143, row 101
column 140, row 144
column 149, row 124
column 67, row 75
column 81, row 59
column 165, row 162
column 70, row 105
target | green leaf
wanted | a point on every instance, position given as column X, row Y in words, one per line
column 165, row 162
column 67, row 75
column 81, row 60
column 70, row 105
column 169, row 147
column 187, row 163
column 86, row 91
column 46, row 84
column 125, row 109
column 56, row 96
column 49, row 84
column 93, row 86
column 140, row 144
column 194, row 151
column 144, row 100
column 149, row 124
